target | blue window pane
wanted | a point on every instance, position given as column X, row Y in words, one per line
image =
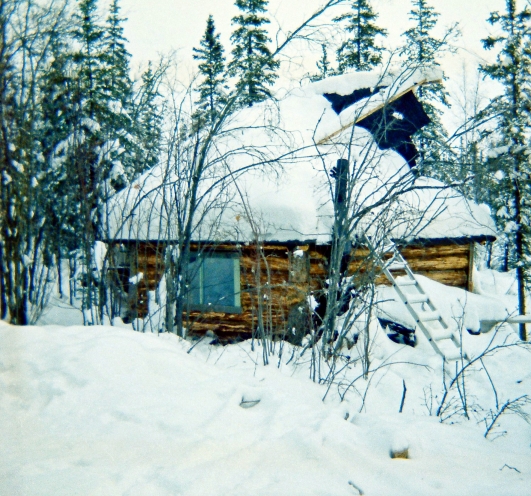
column 218, row 281
column 194, row 281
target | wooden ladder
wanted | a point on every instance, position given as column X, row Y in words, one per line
column 428, row 319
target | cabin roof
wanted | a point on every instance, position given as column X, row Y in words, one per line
column 287, row 149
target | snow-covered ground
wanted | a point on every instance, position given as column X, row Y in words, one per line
column 106, row 410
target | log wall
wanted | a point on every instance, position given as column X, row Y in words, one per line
column 273, row 282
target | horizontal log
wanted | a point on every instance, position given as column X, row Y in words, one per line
column 434, row 263
column 271, row 263
column 412, row 252
column 455, row 278
column 437, row 264
column 435, row 251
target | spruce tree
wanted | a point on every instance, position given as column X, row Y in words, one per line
column 509, row 159
column 253, row 64
column 116, row 78
column 117, row 123
column 58, row 87
column 212, row 68
column 323, row 66
column 421, row 51
column 148, row 120
column 30, row 31
column 360, row 51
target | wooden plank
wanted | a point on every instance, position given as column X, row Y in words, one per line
column 430, row 251
column 439, row 263
column 470, row 282
column 369, row 112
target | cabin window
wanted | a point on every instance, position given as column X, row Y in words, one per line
column 214, row 282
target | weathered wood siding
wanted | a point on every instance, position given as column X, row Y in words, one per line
column 449, row 264
column 273, row 282
column 267, row 289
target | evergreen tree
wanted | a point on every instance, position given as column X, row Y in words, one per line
column 253, row 63
column 323, row 66
column 148, row 118
column 509, row 159
column 212, row 68
column 29, row 31
column 116, row 80
column 118, row 127
column 360, row 51
column 89, row 59
column 58, row 88
column 420, row 52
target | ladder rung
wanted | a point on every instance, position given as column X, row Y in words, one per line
column 434, row 335
column 429, row 316
column 453, row 355
column 396, row 266
column 439, row 336
column 407, row 282
column 421, row 298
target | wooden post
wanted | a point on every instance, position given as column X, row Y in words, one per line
column 470, row 281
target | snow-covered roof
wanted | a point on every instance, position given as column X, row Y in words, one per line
column 267, row 176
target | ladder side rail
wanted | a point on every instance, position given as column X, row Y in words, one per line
column 390, row 247
column 415, row 315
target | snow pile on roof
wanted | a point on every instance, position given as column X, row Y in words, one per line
column 267, row 177
column 104, row 410
column 398, row 79
column 437, row 211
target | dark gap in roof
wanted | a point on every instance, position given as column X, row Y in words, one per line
column 393, row 125
column 341, row 102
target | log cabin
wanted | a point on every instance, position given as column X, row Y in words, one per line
column 262, row 244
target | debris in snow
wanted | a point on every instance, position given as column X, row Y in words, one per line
column 60, row 384
column 249, row 403
column 360, row 492
column 399, row 447
column 404, row 454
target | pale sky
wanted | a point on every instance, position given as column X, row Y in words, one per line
column 160, row 26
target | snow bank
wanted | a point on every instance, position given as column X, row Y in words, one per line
column 101, row 410
column 462, row 310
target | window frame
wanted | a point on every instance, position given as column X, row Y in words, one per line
column 206, row 307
